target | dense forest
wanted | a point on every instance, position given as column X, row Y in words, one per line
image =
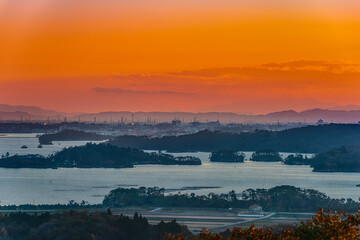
column 266, row 155
column 280, row 198
column 81, row 225
column 343, row 159
column 310, row 139
column 95, row 156
column 227, row 156
column 69, row 134
column 25, row 161
column 297, row 159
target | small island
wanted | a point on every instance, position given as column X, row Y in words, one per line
column 70, row 135
column 344, row 159
column 266, row 155
column 297, row 159
column 92, row 155
column 227, row 156
column 25, row 161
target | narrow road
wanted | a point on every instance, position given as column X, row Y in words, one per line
column 176, row 216
column 241, row 222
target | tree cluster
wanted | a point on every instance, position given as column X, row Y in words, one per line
column 70, row 135
column 296, row 159
column 280, row 198
column 310, row 139
column 227, row 156
column 81, row 225
column 266, row 155
column 343, row 159
column 323, row 226
column 91, row 155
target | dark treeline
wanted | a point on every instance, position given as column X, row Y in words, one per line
column 83, row 205
column 26, row 127
column 85, row 226
column 227, row 156
column 266, row 155
column 343, row 159
column 103, row 155
column 281, row 198
column 297, row 159
column 25, row 161
column 310, row 139
column 69, row 134
column 95, row 156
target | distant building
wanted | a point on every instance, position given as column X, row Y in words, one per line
column 254, row 211
column 176, row 122
column 255, row 208
column 320, row 121
column 195, row 124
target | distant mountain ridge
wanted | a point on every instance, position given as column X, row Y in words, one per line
column 33, row 110
column 159, row 116
column 310, row 116
column 313, row 115
column 8, row 112
column 346, row 107
column 15, row 115
column 18, row 112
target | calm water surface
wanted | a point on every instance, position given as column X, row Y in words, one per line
column 19, row 186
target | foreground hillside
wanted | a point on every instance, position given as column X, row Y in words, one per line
column 82, row 225
column 310, row 139
column 323, row 226
column 76, row 225
column 101, row 225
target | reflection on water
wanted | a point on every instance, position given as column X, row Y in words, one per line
column 61, row 185
column 12, row 142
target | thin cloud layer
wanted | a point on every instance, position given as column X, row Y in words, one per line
column 127, row 91
column 285, row 75
column 296, row 85
column 338, row 67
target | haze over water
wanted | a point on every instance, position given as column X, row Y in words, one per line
column 40, row 186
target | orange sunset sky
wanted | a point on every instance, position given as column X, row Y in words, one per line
column 252, row 56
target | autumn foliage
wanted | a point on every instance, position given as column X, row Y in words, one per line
column 323, row 226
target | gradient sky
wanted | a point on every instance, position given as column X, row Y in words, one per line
column 180, row 55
